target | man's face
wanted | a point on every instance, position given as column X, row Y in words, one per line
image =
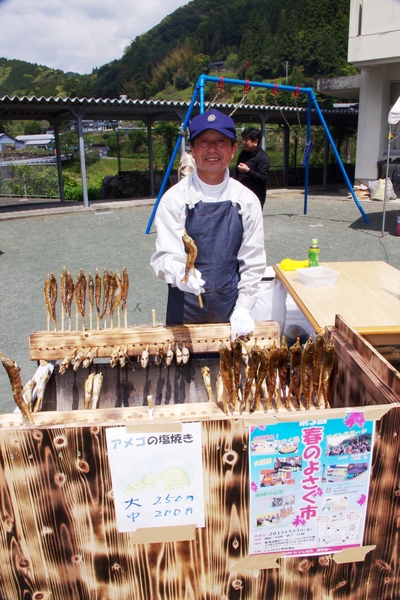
column 249, row 145
column 212, row 152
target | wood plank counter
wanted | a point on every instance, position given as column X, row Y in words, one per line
column 366, row 295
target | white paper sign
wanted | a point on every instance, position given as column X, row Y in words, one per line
column 157, row 477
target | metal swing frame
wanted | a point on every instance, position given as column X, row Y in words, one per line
column 198, row 95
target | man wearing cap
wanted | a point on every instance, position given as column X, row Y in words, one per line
column 224, row 218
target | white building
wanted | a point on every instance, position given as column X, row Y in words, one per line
column 41, row 140
column 374, row 49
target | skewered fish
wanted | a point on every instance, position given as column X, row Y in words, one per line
column 205, row 371
column 252, row 367
column 169, row 357
column 145, row 358
column 185, row 354
column 63, row 292
column 114, row 357
column 124, row 293
column 111, row 295
column 225, row 369
column 89, row 356
column 178, row 354
column 191, row 255
column 97, row 385
column 116, row 303
column 70, row 289
column 28, row 389
column 66, row 362
column 97, row 293
column 295, row 360
column 272, row 373
column 159, row 356
column 80, row 295
column 260, row 376
column 106, row 291
column 88, row 389
column 307, row 371
column 79, row 356
column 41, row 384
column 13, row 372
column 318, row 361
column 237, row 368
column 326, row 371
column 124, row 358
column 50, row 297
column 91, row 298
column 283, row 359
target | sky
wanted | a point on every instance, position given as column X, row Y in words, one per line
column 76, row 35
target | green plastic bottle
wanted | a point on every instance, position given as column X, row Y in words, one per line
column 313, row 254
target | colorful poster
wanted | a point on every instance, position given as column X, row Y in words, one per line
column 309, row 485
column 157, row 477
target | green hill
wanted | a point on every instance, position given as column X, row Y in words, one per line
column 254, row 39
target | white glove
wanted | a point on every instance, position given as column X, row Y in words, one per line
column 194, row 283
column 241, row 323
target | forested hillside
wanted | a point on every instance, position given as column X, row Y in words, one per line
column 256, row 40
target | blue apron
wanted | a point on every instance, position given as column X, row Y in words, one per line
column 217, row 229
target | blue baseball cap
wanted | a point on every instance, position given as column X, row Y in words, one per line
column 212, row 119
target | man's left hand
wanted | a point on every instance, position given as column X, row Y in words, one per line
column 243, row 168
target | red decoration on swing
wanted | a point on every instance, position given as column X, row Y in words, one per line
column 275, row 89
column 296, row 92
column 246, row 87
column 221, row 83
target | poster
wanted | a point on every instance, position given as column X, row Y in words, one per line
column 157, row 477
column 309, row 485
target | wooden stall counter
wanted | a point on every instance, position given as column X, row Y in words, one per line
column 366, row 295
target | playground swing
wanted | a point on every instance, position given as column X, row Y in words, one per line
column 198, row 96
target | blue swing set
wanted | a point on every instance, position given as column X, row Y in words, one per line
column 198, row 95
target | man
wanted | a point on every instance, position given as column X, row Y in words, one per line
column 225, row 220
column 253, row 164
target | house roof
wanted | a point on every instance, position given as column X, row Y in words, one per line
column 59, row 109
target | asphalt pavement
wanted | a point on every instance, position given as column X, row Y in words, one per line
column 37, row 237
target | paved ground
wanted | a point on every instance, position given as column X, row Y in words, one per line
column 37, row 237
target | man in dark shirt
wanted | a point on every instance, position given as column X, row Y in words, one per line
column 252, row 166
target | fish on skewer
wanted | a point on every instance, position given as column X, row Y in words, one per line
column 63, row 293
column 205, row 371
column 97, row 293
column 159, row 357
column 88, row 389
column 106, row 293
column 89, row 356
column 295, row 360
column 114, row 357
column 111, row 295
column 116, row 302
column 252, row 368
column 70, row 290
column 272, row 373
column 41, row 384
column 124, row 358
column 79, row 356
column 66, row 362
column 91, row 299
column 283, row 360
column 318, row 361
column 185, row 354
column 46, row 293
column 307, row 371
column 97, row 385
column 237, row 369
column 53, row 298
column 191, row 255
column 28, row 390
column 178, row 354
column 260, row 377
column 326, row 371
column 227, row 376
column 80, row 297
column 145, row 358
column 169, row 357
column 124, row 294
column 14, row 375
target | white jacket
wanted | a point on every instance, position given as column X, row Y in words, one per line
column 170, row 222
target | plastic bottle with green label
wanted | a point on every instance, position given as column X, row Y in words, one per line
column 313, row 254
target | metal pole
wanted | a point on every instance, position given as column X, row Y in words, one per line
column 59, row 163
column 386, row 179
column 79, row 114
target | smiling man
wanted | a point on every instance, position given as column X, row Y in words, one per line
column 224, row 219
